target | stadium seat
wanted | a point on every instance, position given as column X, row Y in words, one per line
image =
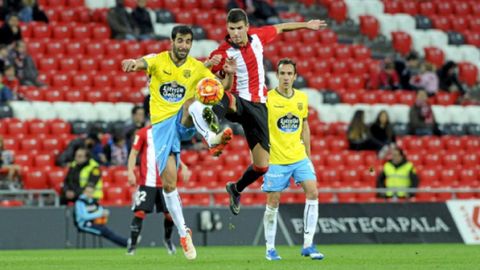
column 468, row 73
column 24, row 159
column 402, row 42
column 100, row 32
column 44, row 160
column 35, row 179
column 41, row 31
column 434, row 56
column 338, row 11
column 369, row 26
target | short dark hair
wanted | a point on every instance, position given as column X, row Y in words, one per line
column 182, row 30
column 287, row 61
column 236, row 15
column 136, row 108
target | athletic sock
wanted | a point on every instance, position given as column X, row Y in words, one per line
column 168, row 226
column 196, row 111
column 135, row 229
column 249, row 176
column 174, row 207
column 270, row 226
column 310, row 219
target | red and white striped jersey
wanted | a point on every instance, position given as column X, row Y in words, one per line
column 143, row 143
column 249, row 80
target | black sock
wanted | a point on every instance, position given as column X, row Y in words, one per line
column 135, row 229
column 168, row 225
column 248, row 177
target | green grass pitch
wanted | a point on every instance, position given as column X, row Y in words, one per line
column 418, row 256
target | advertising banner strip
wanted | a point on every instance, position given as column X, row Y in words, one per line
column 466, row 214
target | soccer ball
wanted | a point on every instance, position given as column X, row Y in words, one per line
column 209, row 91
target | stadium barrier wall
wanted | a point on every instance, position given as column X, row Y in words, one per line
column 454, row 221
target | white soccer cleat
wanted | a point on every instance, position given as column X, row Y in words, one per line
column 188, row 247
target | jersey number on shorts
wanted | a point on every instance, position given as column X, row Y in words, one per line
column 140, row 197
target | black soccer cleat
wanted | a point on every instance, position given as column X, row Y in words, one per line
column 234, row 198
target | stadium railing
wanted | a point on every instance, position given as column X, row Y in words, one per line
column 33, row 197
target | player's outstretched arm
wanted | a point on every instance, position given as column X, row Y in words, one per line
column 291, row 26
column 132, row 65
column 306, row 136
column 230, row 67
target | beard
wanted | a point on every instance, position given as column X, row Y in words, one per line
column 179, row 55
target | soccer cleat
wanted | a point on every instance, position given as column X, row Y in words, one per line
column 130, row 248
column 170, row 246
column 234, row 198
column 223, row 139
column 272, row 255
column 312, row 252
column 211, row 118
column 187, row 245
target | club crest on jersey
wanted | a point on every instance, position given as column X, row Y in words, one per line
column 288, row 123
column 300, row 106
column 187, row 73
column 172, row 91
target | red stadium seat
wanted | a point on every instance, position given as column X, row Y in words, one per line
column 109, row 65
column 388, row 98
column 453, row 143
column 24, row 160
column 38, row 127
column 392, row 6
column 101, row 80
column 432, row 160
column 34, row 95
column 317, row 82
column 100, row 32
column 342, row 52
column 60, row 127
column 203, row 18
column 94, row 49
column 462, row 8
column 459, row 24
column 54, row 48
column 310, row 37
column 444, row 8
column 68, row 64
column 369, row 26
column 426, row 8
column 471, row 144
column 358, row 68
column 207, row 4
column 135, row 97
column 470, row 159
column 95, row 96
column 338, row 11
column 134, row 50
column 42, row 31
column 82, row 80
column 441, row 22
column 335, row 83
column 321, row 67
column 434, row 56
column 468, row 73
column 370, row 97
column 288, row 51
column 61, row 31
column 468, row 177
column 328, row 37
column 52, row 145
column 451, row 160
column 35, row 48
column 44, row 160
column 405, row 97
column 30, row 144
column 361, row 52
column 350, row 98
column 448, row 176
column 115, row 193
column 15, row 128
column 115, row 49
column 340, row 67
column 87, row 64
column 74, row 48
column 61, row 80
column 47, row 64
column 434, row 144
column 35, row 179
column 409, row 7
column 443, row 98
column 54, row 95
column 355, row 83
column 402, row 42
column 74, row 96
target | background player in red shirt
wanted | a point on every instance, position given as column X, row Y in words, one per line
column 149, row 192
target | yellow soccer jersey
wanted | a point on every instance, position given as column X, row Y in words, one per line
column 170, row 86
column 285, row 124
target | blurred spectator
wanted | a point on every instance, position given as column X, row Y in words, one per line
column 137, row 121
column 397, row 173
column 382, row 131
column 121, row 22
column 83, row 172
column 27, row 72
column 5, row 92
column 427, row 79
column 141, row 17
column 406, row 69
column 92, row 218
column 259, row 11
column 12, row 170
column 4, row 59
column 91, row 142
column 10, row 31
column 31, row 12
column 12, row 5
column 448, row 78
column 116, row 151
column 359, row 136
column 11, row 81
column 3, row 11
column 387, row 78
column 422, row 120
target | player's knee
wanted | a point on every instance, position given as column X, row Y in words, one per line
column 311, row 194
column 260, row 169
column 169, row 187
column 168, row 216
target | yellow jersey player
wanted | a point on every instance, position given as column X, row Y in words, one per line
column 289, row 157
column 173, row 76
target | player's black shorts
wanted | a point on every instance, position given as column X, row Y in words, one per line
column 253, row 117
column 147, row 197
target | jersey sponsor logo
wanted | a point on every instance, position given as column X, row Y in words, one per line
column 187, row 73
column 166, row 72
column 288, row 123
column 300, row 106
column 172, row 91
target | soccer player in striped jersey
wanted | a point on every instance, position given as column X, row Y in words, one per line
column 149, row 192
column 245, row 103
column 289, row 157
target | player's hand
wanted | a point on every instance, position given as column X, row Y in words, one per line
column 316, row 24
column 185, row 172
column 69, row 194
column 215, row 60
column 132, row 179
column 230, row 66
column 129, row 65
column 106, row 212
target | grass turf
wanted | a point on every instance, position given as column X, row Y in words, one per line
column 417, row 256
